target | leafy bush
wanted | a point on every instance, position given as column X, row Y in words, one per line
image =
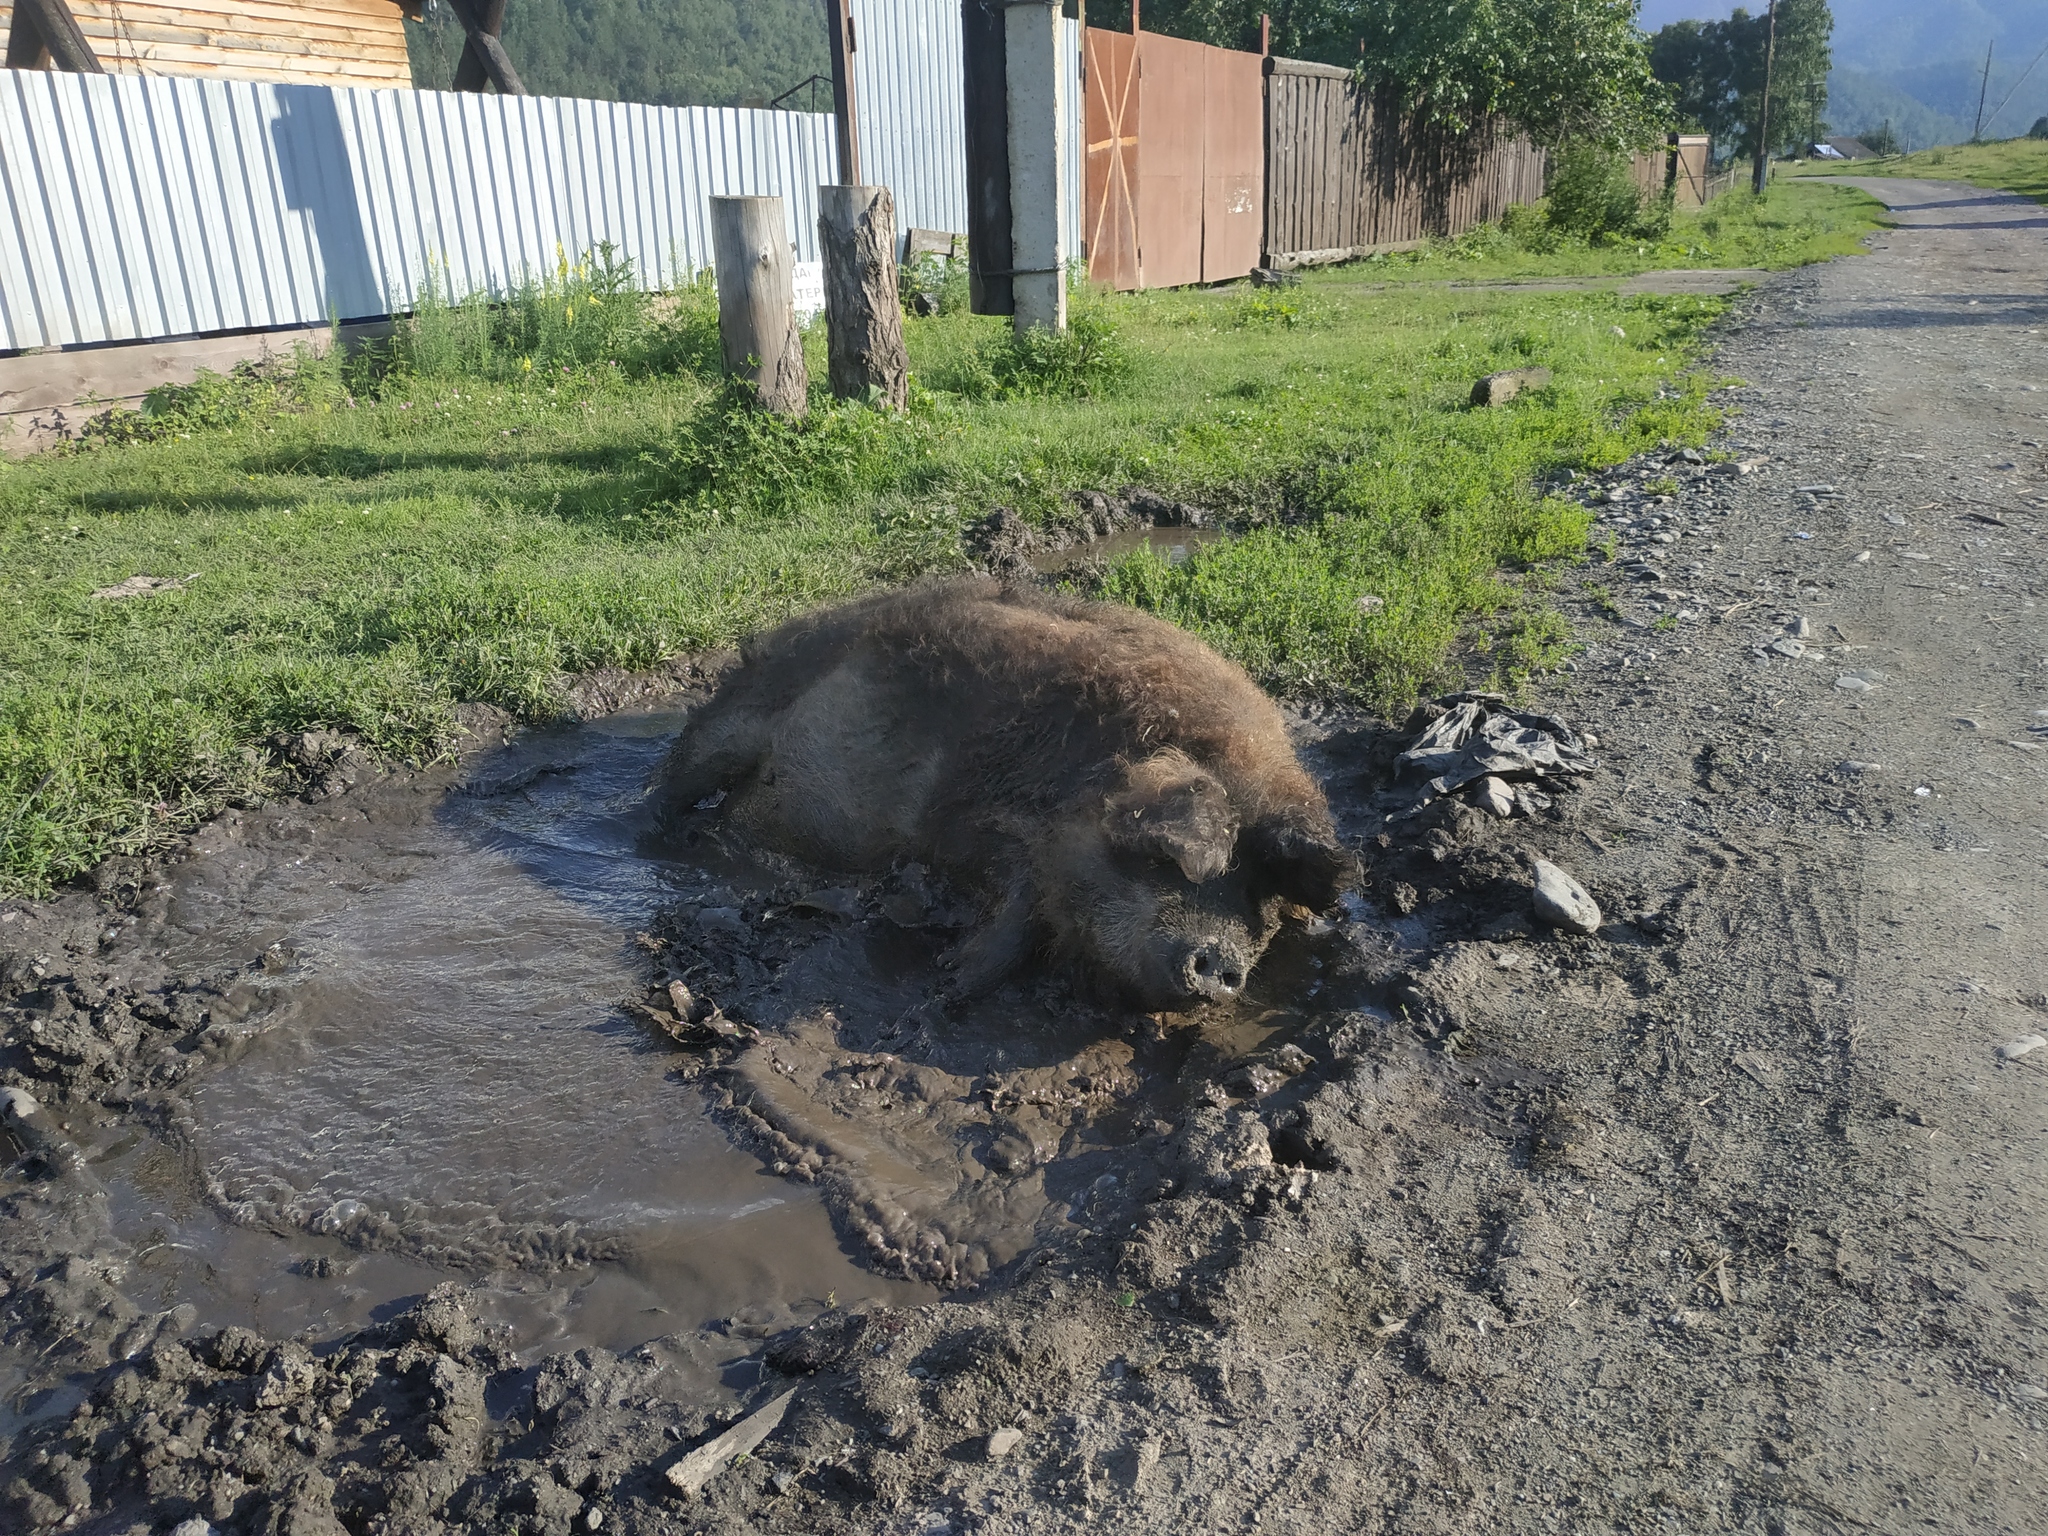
column 1592, row 197
column 945, row 279
column 2039, row 130
column 736, row 460
column 1087, row 358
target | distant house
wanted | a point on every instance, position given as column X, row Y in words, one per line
column 306, row 42
column 1851, row 149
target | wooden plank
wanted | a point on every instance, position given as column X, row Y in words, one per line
column 213, row 64
column 325, row 41
column 384, row 19
column 136, row 39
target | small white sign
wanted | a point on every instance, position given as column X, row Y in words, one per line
column 810, row 290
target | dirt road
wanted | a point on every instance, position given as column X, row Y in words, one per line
column 1731, row 1219
column 1727, row 1218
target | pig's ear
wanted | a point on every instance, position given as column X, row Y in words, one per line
column 1310, row 869
column 1169, row 809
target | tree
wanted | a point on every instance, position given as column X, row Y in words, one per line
column 1322, row 30
column 714, row 53
column 1881, row 140
column 1715, row 70
column 1564, row 70
column 1567, row 71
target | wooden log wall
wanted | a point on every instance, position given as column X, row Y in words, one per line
column 1348, row 174
column 307, row 42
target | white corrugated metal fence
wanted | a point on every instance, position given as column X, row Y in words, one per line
column 135, row 207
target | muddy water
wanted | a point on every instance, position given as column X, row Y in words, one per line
column 441, row 1082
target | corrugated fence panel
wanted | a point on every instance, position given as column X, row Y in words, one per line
column 138, row 207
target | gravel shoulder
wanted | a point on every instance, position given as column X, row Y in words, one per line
column 1728, row 1217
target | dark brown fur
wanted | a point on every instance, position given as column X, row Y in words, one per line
column 1125, row 796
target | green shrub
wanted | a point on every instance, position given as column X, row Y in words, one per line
column 945, row 279
column 2039, row 130
column 1592, row 197
column 1087, row 358
column 736, row 460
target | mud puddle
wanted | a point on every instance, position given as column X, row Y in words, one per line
column 436, row 1081
column 951, row 1140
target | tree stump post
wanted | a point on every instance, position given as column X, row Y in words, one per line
column 863, row 314
column 757, row 300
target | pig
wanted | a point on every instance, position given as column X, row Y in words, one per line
column 1120, row 797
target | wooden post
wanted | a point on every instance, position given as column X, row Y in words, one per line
column 46, row 29
column 484, row 57
column 839, row 15
column 757, row 300
column 857, row 236
column 1760, row 174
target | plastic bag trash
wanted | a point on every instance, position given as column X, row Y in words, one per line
column 1478, row 734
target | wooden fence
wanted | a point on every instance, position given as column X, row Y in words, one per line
column 1683, row 166
column 1349, row 174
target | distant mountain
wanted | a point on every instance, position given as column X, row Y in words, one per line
column 672, row 53
column 1920, row 63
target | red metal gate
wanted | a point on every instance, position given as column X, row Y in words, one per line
column 1110, row 67
column 1176, row 160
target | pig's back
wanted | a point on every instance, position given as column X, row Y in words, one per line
column 937, row 721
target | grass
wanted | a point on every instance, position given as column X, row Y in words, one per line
column 2013, row 165
column 1791, row 225
column 368, row 547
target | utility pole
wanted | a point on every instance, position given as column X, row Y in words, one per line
column 1983, row 90
column 839, row 25
column 1761, row 175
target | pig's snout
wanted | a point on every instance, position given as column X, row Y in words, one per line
column 1214, row 971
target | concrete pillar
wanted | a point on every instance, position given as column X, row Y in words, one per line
column 1040, row 119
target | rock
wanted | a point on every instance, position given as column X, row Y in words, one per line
column 2021, row 1047
column 1849, row 682
column 1002, row 1442
column 194, row 1527
column 1562, row 902
column 142, row 586
column 1788, row 647
column 1368, row 602
column 1490, row 794
column 1500, row 388
column 1801, row 628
